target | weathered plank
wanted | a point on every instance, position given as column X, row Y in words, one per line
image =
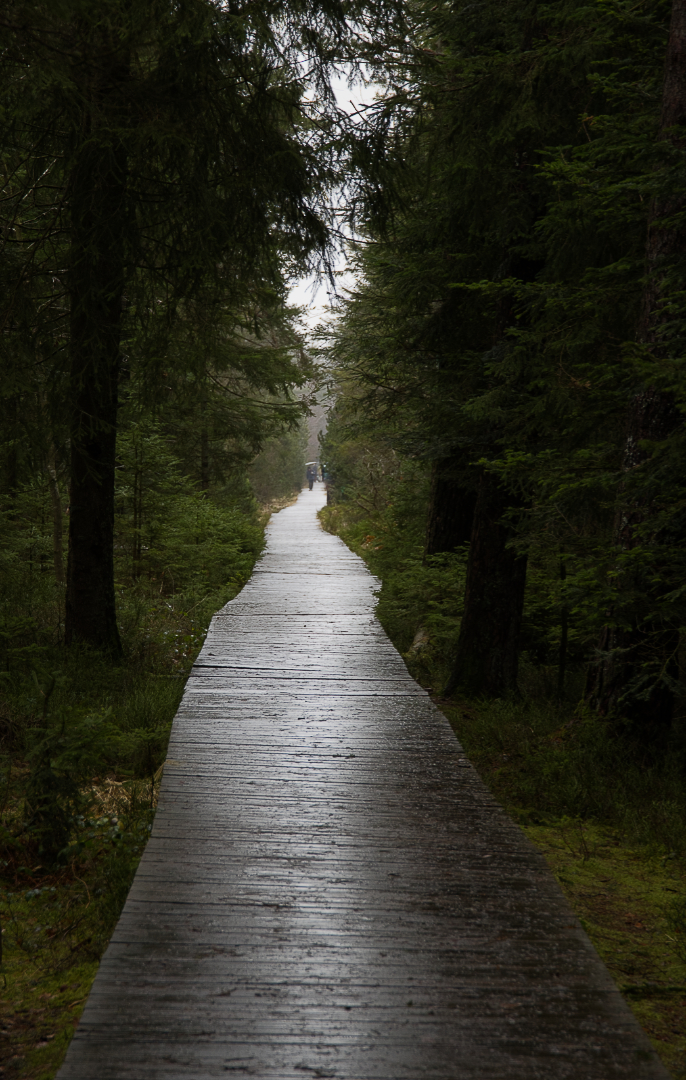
column 329, row 889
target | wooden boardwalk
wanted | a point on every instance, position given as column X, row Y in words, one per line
column 330, row 890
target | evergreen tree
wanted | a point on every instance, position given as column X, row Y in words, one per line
column 156, row 155
column 498, row 85
column 493, row 332
column 638, row 668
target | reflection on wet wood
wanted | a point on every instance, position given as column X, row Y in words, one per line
column 330, row 890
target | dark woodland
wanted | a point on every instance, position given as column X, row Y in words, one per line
column 505, row 443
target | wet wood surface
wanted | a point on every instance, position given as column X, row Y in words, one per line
column 329, row 889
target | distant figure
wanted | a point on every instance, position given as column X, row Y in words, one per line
column 311, row 475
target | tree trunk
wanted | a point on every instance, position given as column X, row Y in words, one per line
column 12, row 460
column 204, row 445
column 57, row 552
column 564, row 637
column 488, row 645
column 97, row 202
column 635, row 657
column 451, row 509
column 137, row 545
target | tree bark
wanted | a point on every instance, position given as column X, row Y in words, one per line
column 12, row 436
column 451, row 508
column 96, row 280
column 564, row 637
column 488, row 645
column 137, row 545
column 57, row 551
column 634, row 657
column 204, row 445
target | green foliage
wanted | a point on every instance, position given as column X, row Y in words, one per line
column 199, row 340
column 169, row 532
column 69, row 715
column 56, row 923
column 63, row 753
column 497, row 315
column 380, row 511
column 545, row 758
column 543, row 754
column 83, row 741
column 548, row 763
column 278, row 469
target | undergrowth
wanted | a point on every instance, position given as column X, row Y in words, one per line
column 540, row 755
column 609, row 815
column 57, row 921
column 83, row 741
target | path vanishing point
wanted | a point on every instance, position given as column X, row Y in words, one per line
column 329, row 889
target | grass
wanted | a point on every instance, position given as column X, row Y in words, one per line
column 57, row 922
column 625, row 899
column 611, row 828
column 544, row 760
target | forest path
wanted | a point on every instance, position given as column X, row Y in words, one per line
column 329, row 889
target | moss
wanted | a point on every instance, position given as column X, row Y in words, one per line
column 624, row 897
column 39, row 1016
column 55, row 926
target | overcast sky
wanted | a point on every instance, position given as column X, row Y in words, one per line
column 310, row 293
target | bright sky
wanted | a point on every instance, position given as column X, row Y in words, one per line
column 310, row 293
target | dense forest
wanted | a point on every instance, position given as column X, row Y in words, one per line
column 509, row 370
column 168, row 169
column 148, row 359
column 505, row 447
column 507, row 450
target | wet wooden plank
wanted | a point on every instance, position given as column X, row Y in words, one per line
column 329, row 889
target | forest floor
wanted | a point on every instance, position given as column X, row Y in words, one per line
column 57, row 923
column 622, row 898
column 608, row 821
column 629, row 899
column 57, row 920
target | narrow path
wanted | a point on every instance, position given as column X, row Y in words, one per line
column 330, row 890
